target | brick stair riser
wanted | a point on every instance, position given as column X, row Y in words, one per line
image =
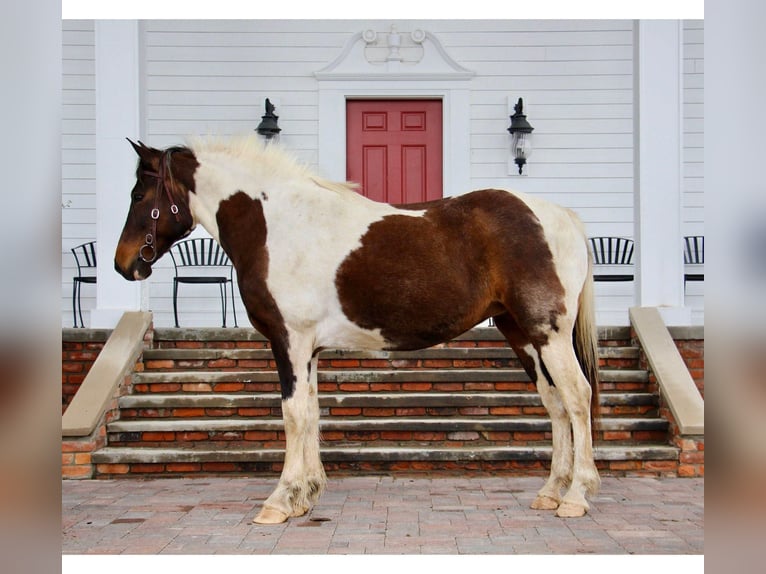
column 397, row 426
column 437, row 387
column 661, row 462
column 340, row 468
column 255, row 412
column 393, row 380
column 441, row 439
column 482, row 358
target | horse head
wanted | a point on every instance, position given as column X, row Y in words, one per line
column 159, row 213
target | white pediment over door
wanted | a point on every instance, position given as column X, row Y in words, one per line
column 393, row 55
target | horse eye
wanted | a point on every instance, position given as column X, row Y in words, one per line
column 137, row 197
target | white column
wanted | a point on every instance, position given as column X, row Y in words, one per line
column 117, row 117
column 658, row 168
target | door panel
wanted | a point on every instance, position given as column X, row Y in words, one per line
column 413, row 174
column 375, row 169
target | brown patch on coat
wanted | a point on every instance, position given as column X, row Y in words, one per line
column 425, row 280
column 506, row 324
column 242, row 231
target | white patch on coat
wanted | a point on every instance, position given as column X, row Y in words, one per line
column 312, row 226
column 566, row 240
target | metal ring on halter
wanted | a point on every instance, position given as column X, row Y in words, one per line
column 155, row 213
column 150, row 244
column 141, row 253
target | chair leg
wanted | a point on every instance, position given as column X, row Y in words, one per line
column 74, row 299
column 79, row 303
column 175, row 300
column 222, row 289
column 233, row 306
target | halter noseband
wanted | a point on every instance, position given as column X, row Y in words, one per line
column 164, row 169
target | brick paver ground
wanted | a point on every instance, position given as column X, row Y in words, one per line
column 380, row 515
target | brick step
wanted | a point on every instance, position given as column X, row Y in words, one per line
column 439, row 357
column 655, row 459
column 479, row 424
column 384, row 430
column 433, row 403
column 369, row 380
column 250, row 338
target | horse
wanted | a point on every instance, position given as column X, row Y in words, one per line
column 320, row 266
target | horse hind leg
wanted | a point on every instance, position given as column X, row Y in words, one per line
column 549, row 496
column 575, row 394
column 562, row 460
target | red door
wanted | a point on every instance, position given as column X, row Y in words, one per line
column 394, row 149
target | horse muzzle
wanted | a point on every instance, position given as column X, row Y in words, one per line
column 137, row 271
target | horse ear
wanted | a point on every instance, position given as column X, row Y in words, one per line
column 148, row 155
column 135, row 146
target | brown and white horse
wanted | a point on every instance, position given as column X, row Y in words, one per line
column 321, row 267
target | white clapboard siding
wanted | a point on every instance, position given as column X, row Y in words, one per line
column 78, row 156
column 576, row 78
column 693, row 203
column 693, row 114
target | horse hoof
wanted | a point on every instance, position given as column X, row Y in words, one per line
column 570, row 510
column 269, row 515
column 543, row 502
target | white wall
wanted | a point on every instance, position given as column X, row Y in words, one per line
column 693, row 206
column 694, row 132
column 576, row 79
column 78, row 157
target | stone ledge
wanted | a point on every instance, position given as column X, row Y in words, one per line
column 378, row 399
column 69, row 334
column 369, row 376
column 676, row 384
column 687, row 333
column 117, row 455
column 114, row 362
column 419, row 424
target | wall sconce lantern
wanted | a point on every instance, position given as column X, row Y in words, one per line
column 521, row 133
column 268, row 127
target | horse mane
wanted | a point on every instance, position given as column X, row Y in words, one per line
column 270, row 159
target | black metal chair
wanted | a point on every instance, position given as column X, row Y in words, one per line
column 612, row 251
column 85, row 257
column 195, row 254
column 694, row 254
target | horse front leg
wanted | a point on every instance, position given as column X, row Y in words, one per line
column 303, row 478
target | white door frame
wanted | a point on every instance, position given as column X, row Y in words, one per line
column 456, row 151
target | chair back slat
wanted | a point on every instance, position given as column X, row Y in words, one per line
column 612, row 250
column 191, row 257
column 694, row 249
column 200, row 252
column 85, row 256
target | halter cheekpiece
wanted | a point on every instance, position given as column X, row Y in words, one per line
column 164, row 169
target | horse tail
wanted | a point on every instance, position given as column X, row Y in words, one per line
column 585, row 338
